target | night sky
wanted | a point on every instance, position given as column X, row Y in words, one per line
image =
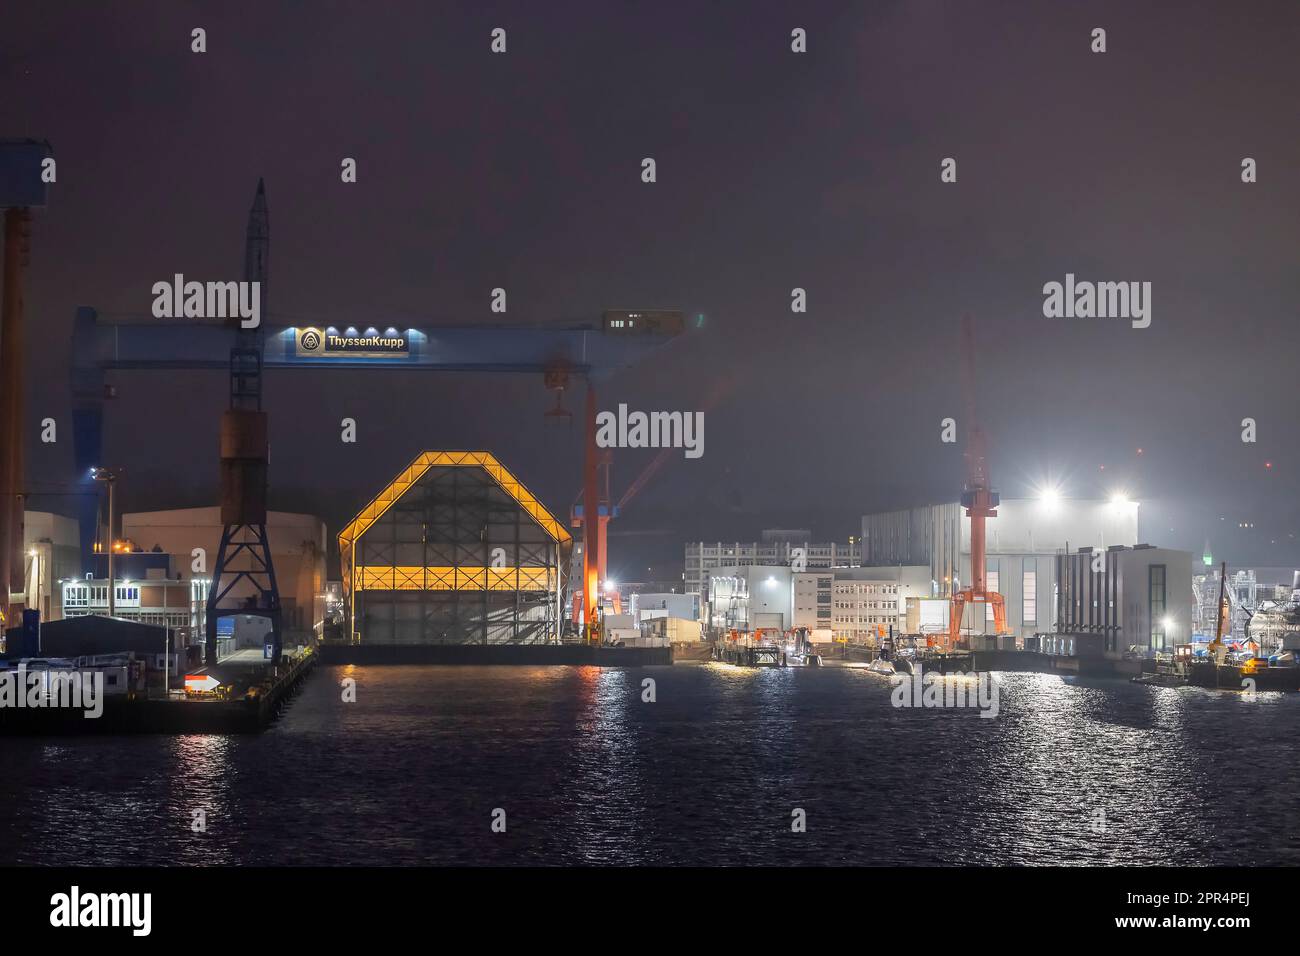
column 775, row 171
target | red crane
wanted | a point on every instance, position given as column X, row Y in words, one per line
column 979, row 500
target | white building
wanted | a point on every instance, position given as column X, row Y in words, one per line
column 811, row 601
column 1133, row 598
column 1022, row 544
column 51, row 551
column 857, row 604
column 750, row 597
column 868, row 604
column 778, row 547
column 645, row 605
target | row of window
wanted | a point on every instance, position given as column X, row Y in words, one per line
column 86, row 595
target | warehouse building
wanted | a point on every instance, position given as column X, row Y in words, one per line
column 455, row 550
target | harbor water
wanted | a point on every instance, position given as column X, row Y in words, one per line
column 713, row 771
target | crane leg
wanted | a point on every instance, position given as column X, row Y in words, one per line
column 590, row 525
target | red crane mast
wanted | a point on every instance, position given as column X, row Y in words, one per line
column 979, row 500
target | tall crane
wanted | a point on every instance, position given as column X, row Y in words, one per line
column 243, row 577
column 22, row 188
column 978, row 498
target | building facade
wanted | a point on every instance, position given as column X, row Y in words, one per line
column 649, row 604
column 858, row 605
column 812, row 600
column 1138, row 599
column 1022, row 544
column 776, row 549
column 749, row 597
column 869, row 604
column 156, row 600
column 455, row 550
column 191, row 537
column 52, row 552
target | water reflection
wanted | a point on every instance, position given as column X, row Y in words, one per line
column 709, row 773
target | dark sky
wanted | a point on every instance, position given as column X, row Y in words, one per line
column 775, row 170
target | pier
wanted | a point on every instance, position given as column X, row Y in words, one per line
column 252, row 711
column 470, row 654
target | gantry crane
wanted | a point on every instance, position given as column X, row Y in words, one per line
column 554, row 352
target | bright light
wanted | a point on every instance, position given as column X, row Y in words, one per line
column 1119, row 499
column 770, row 582
column 611, row 586
column 1167, row 623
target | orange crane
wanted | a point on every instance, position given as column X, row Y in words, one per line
column 979, row 500
column 594, row 496
column 604, row 511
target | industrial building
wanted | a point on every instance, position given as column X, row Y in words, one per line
column 778, row 546
column 747, row 598
column 644, row 605
column 1256, row 598
column 145, row 590
column 52, row 552
column 868, row 604
column 455, row 550
column 811, row 602
column 853, row 604
column 1127, row 600
column 191, row 538
column 1023, row 540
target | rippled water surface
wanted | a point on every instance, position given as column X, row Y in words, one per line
column 1100, row 772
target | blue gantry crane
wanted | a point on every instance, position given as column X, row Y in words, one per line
column 243, row 577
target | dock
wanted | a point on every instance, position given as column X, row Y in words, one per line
column 251, row 712
column 496, row 654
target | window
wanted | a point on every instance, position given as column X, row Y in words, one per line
column 991, row 584
column 1029, row 592
column 1156, row 578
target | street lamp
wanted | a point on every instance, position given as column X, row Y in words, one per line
column 108, row 475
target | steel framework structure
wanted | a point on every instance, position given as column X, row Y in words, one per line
column 455, row 550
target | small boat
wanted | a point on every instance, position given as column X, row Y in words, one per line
column 879, row 666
